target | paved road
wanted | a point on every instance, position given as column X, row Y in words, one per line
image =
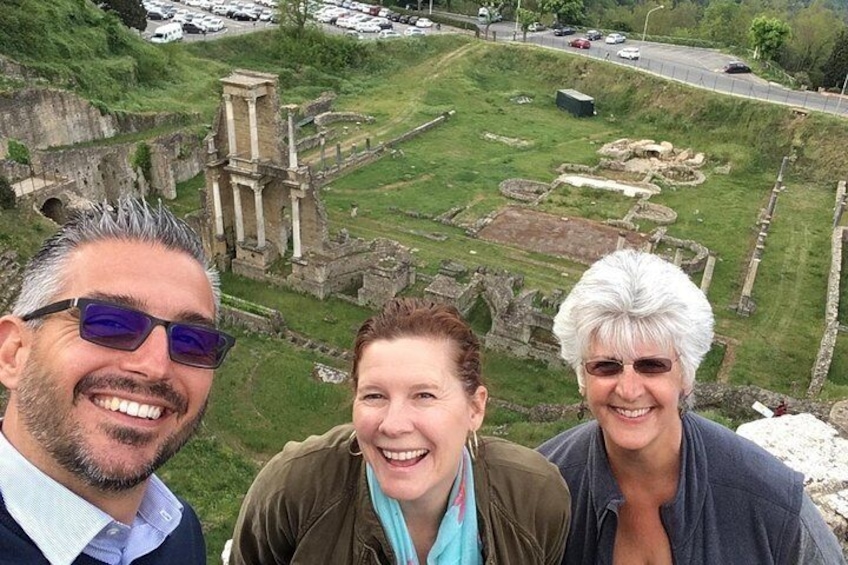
column 691, row 65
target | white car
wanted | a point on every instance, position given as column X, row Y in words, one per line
column 614, row 38
column 423, row 22
column 414, row 32
column 631, row 53
column 388, row 34
column 213, row 24
column 367, row 27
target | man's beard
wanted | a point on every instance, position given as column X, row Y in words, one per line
column 39, row 402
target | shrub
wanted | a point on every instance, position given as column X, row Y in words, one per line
column 7, row 194
column 141, row 160
column 18, row 152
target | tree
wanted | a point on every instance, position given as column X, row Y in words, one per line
column 293, row 14
column 813, row 34
column 566, row 11
column 7, row 194
column 524, row 19
column 836, row 67
column 768, row 35
column 493, row 12
column 723, row 22
column 131, row 12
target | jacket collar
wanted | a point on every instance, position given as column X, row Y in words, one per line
column 680, row 516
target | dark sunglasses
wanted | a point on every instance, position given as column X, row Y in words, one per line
column 643, row 366
column 120, row 327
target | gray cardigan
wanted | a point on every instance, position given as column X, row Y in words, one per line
column 735, row 503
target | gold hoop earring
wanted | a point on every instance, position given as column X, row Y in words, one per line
column 473, row 444
column 351, row 440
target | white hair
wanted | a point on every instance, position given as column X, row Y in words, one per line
column 629, row 298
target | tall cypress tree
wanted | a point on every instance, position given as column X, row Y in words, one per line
column 836, row 66
column 131, row 12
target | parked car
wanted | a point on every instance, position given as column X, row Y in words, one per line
column 593, row 35
column 423, row 22
column 367, row 26
column 580, row 43
column 614, row 38
column 245, row 16
column 631, row 53
column 157, row 15
column 412, row 20
column 735, row 67
column 213, row 24
column 564, row 30
column 488, row 15
column 191, row 27
column 536, row 26
column 388, row 34
column 414, row 32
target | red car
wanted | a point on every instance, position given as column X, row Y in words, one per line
column 580, row 43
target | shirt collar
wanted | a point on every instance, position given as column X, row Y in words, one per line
column 58, row 521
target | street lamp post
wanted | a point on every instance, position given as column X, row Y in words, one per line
column 517, row 11
column 652, row 10
column 841, row 94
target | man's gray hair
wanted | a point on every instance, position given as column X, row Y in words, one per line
column 629, row 298
column 129, row 219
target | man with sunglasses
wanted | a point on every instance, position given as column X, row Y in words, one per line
column 652, row 482
column 108, row 359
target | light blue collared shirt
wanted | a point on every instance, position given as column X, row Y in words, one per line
column 63, row 525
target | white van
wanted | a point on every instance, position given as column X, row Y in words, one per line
column 488, row 15
column 167, row 33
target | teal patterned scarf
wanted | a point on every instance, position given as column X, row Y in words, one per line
column 457, row 542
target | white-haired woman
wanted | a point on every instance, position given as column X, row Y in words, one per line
column 650, row 481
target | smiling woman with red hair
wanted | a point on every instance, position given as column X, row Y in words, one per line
column 409, row 481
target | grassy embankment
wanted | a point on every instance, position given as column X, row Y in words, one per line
column 263, row 396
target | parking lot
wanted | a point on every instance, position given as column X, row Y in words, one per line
column 233, row 26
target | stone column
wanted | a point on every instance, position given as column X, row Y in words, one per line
column 322, row 142
column 292, row 140
column 216, row 205
column 254, row 129
column 260, row 215
column 231, row 125
column 678, row 257
column 708, row 274
column 619, row 244
column 239, row 213
column 748, row 287
column 295, row 213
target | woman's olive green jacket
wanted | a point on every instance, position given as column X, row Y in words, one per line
column 310, row 506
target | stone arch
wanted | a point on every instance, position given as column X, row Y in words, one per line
column 54, row 209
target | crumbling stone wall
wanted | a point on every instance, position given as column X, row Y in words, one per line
column 105, row 171
column 44, row 117
column 320, row 105
column 831, row 310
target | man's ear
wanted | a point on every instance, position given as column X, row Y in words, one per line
column 15, row 344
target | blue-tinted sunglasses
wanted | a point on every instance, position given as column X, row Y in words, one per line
column 120, row 327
